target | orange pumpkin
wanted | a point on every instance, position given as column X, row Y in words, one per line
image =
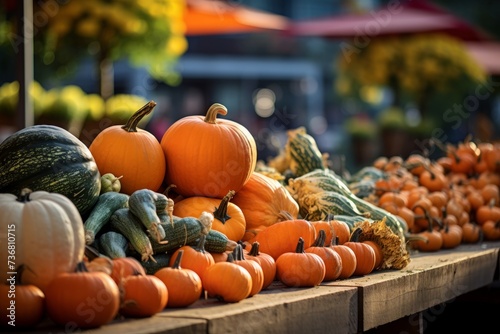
column 131, row 153
column 349, row 261
column 183, row 285
column 262, row 199
column 142, row 296
column 299, row 268
column 228, row 217
column 253, row 268
column 125, row 266
column 282, row 237
column 266, row 261
column 29, row 303
column 227, row 281
column 207, row 156
column 365, row 254
column 332, row 259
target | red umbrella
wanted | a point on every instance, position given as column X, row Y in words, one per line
column 487, row 54
column 210, row 17
column 417, row 16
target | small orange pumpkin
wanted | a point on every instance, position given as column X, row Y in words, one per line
column 228, row 217
column 82, row 298
column 332, row 259
column 348, row 257
column 282, row 236
column 253, row 268
column 365, row 254
column 184, row 285
column 142, row 296
column 266, row 261
column 208, row 156
column 132, row 153
column 300, row 269
column 227, row 281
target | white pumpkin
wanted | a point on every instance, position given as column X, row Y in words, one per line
column 41, row 231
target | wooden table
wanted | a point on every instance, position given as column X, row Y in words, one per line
column 396, row 298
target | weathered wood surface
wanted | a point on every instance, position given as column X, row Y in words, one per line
column 430, row 280
column 344, row 306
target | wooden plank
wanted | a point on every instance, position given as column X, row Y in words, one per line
column 430, row 280
column 279, row 309
column 155, row 324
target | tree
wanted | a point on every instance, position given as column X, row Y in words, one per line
column 149, row 33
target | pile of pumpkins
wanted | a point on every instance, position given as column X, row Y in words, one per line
column 50, row 184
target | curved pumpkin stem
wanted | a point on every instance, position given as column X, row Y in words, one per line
column 300, row 246
column 220, row 213
column 178, row 259
column 212, row 112
column 131, row 125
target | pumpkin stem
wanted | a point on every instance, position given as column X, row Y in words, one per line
column 178, row 258
column 220, row 213
column 91, row 253
column 81, row 267
column 320, row 240
column 356, row 234
column 212, row 112
column 255, row 250
column 300, row 246
column 25, row 195
column 131, row 125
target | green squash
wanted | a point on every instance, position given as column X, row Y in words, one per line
column 49, row 158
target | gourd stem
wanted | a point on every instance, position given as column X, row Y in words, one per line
column 24, row 196
column 355, row 235
column 220, row 212
column 255, row 250
column 212, row 112
column 178, row 258
column 131, row 125
column 320, row 240
column 300, row 246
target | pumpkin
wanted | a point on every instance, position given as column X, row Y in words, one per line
column 349, row 261
column 227, row 281
column 184, row 285
column 333, row 228
column 132, row 153
column 44, row 231
column 282, row 236
column 142, row 296
column 49, row 158
column 300, row 269
column 262, row 199
column 228, row 217
column 21, row 304
column 266, row 261
column 471, row 233
column 365, row 254
column 126, row 266
column 253, row 268
column 83, row 299
column 491, row 230
column 207, row 156
column 332, row 259
column 195, row 257
column 452, row 235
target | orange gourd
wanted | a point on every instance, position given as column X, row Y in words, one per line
column 195, row 257
column 282, row 237
column 348, row 257
column 253, row 268
column 228, row 217
column 491, row 230
column 142, row 296
column 270, row 197
column 28, row 310
column 471, row 233
column 266, row 261
column 208, row 156
column 132, row 153
column 227, row 281
column 365, row 254
column 125, row 266
column 70, row 293
column 183, row 285
column 332, row 259
column 299, row 268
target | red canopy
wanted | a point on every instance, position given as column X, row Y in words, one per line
column 397, row 18
column 210, row 17
column 487, row 54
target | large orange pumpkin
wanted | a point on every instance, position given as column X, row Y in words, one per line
column 262, row 199
column 207, row 156
column 132, row 153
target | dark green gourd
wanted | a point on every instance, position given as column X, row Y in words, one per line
column 49, row 158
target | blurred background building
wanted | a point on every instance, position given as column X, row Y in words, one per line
column 273, row 80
